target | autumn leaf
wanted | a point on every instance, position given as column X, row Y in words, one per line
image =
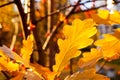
column 6, row 64
column 26, row 50
column 115, row 17
column 13, row 66
column 62, row 17
column 90, row 58
column 19, row 76
column 45, row 72
column 105, row 17
column 9, row 53
column 33, row 75
column 101, row 18
column 89, row 74
column 110, row 45
column 3, row 61
column 77, row 36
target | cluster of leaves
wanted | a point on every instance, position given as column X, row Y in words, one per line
column 77, row 36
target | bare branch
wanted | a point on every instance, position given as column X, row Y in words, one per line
column 64, row 8
column 101, row 66
column 23, row 17
column 7, row 4
column 59, row 23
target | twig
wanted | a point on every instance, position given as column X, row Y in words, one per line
column 6, row 75
column 36, row 36
column 64, row 8
column 71, row 68
column 14, row 35
column 53, row 13
column 23, row 17
column 59, row 23
column 51, row 34
column 7, row 4
column 101, row 66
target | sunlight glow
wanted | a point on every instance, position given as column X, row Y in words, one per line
column 110, row 5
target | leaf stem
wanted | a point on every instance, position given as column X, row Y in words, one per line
column 71, row 69
column 101, row 66
column 6, row 75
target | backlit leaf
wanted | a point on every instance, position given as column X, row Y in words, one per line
column 9, row 53
column 6, row 64
column 105, row 17
column 110, row 45
column 90, row 58
column 46, row 73
column 26, row 50
column 77, row 36
column 89, row 74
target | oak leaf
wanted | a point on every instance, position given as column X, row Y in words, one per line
column 6, row 64
column 105, row 17
column 90, row 58
column 27, row 49
column 45, row 72
column 89, row 74
column 77, row 36
column 110, row 45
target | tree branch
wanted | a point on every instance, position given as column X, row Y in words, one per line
column 7, row 4
column 36, row 35
column 59, row 23
column 64, row 8
column 23, row 17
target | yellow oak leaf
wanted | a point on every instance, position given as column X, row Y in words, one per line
column 90, row 58
column 3, row 61
column 7, row 52
column 105, row 17
column 45, row 72
column 77, row 36
column 6, row 64
column 12, row 66
column 115, row 17
column 26, row 50
column 103, row 14
column 101, row 17
column 89, row 74
column 109, row 45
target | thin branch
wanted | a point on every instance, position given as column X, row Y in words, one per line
column 85, row 6
column 64, row 8
column 71, row 68
column 37, row 36
column 53, row 13
column 101, row 66
column 59, row 23
column 116, row 1
column 23, row 17
column 6, row 75
column 7, row 4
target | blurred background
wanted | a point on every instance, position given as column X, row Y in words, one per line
column 45, row 19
